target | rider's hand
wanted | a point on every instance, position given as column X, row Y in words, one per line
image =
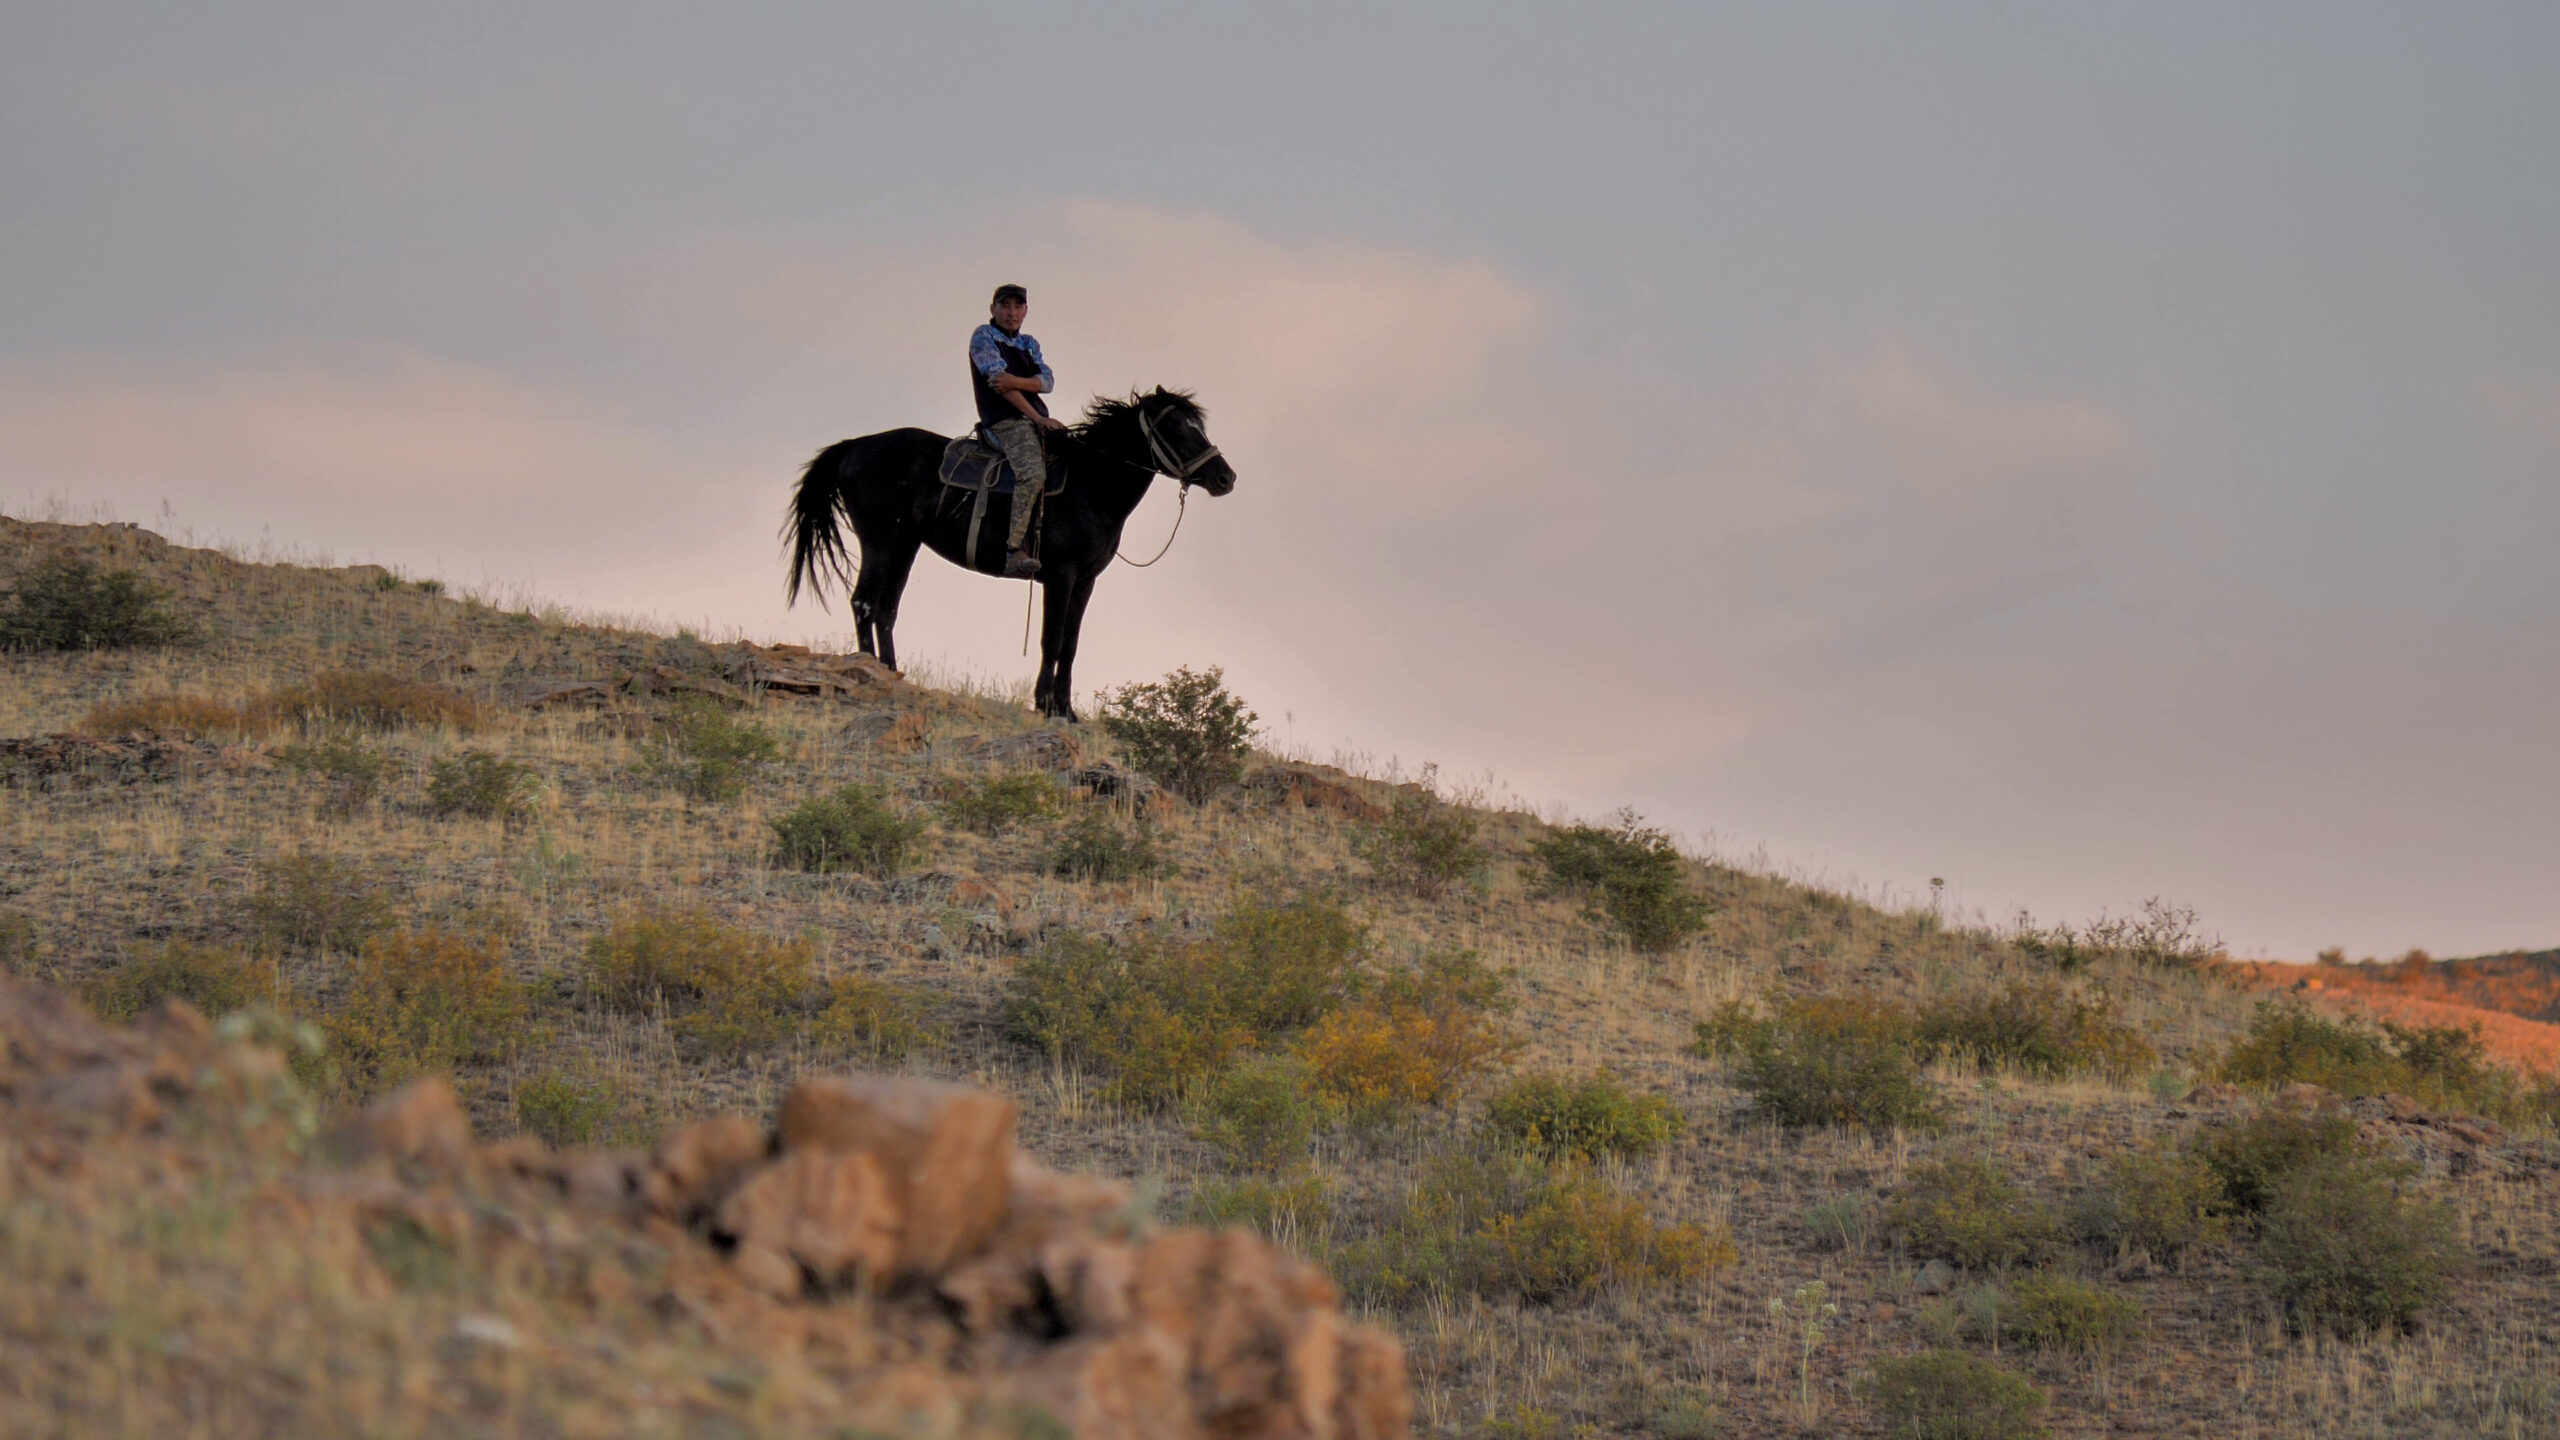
column 1052, row 422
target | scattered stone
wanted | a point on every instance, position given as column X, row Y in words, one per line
column 64, row 761
column 1935, row 1278
column 488, row 1331
column 1107, row 781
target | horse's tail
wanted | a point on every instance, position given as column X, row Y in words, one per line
column 809, row 527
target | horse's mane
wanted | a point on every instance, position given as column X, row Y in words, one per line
column 1104, row 410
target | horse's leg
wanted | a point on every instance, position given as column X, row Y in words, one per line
column 875, row 596
column 1047, row 696
column 1070, row 628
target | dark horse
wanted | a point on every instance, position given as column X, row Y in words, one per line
column 889, row 486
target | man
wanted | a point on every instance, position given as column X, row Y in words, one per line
column 1009, row 377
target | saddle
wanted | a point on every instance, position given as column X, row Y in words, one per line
column 970, row 462
column 973, row 464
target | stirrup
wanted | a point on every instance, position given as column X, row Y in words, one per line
column 1019, row 565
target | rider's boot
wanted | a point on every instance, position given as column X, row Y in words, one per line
column 1019, row 564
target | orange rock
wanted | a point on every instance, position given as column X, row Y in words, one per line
column 696, row 1165
column 946, row 1153
column 1376, row 1401
column 832, row 1211
column 1127, row 1387
column 419, row 1126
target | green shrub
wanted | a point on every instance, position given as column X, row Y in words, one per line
column 2037, row 1029
column 62, row 603
column 1425, row 844
column 564, row 1111
column 1261, row 1115
column 861, row 1015
column 1632, row 876
column 996, row 803
column 484, row 786
column 1587, row 1117
column 215, row 979
column 1292, row 1213
column 1185, row 732
column 423, row 1001
column 1965, row 1209
column 852, row 829
column 1500, row 1223
column 2251, row 1156
column 304, row 903
column 1412, row 1039
column 2343, row 1249
column 355, row 774
column 711, row 754
column 2445, row 1066
column 1841, row 1222
column 1093, row 848
column 1949, row 1395
column 724, row 989
column 2053, row 1311
column 2160, row 1200
column 374, row 700
column 1827, row 1060
column 18, row 943
column 1156, row 1018
column 2159, row 933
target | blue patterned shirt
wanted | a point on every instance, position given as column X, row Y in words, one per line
column 987, row 358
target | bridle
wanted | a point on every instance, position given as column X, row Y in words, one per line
column 1181, row 470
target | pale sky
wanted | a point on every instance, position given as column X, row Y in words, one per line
column 2081, row 452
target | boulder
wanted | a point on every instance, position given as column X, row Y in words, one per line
column 1326, row 792
column 418, row 1128
column 1048, row 749
column 695, row 1166
column 945, row 1152
column 833, row 1213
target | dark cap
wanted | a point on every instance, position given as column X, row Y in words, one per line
column 1010, row 292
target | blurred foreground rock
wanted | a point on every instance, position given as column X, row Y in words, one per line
column 990, row 1285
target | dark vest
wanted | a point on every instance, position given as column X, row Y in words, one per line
column 993, row 406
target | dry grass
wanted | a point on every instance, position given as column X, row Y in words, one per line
column 109, row 872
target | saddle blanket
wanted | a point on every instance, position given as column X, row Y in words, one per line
column 968, row 461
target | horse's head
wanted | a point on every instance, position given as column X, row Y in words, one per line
column 1178, row 433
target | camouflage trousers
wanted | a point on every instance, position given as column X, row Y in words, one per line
column 1020, row 440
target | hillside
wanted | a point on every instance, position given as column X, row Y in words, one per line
column 626, row 954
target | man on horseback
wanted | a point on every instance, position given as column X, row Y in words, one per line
column 1008, row 377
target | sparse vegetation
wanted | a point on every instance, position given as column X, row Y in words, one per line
column 2161, row 1200
column 1412, row 1040
column 424, row 1001
column 711, row 754
column 483, row 785
column 1186, row 732
column 852, row 829
column 1632, row 876
column 18, row 941
column 1965, row 1209
column 1500, row 1223
column 1425, row 844
column 355, row 773
column 176, row 717
column 1949, row 1395
column 215, row 979
column 376, row 700
column 2343, row 1247
column 2252, row 1155
column 1093, row 847
column 2157, row 933
column 2036, row 1029
column 1295, row 1213
column 64, row 603
column 306, row 903
column 1261, row 1115
column 2051, row 1310
column 1584, row 1117
column 562, row 1110
column 2443, row 1066
column 997, row 803
column 1826, row 1060
column 729, row 991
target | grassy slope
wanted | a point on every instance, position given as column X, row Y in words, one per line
column 104, row 869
